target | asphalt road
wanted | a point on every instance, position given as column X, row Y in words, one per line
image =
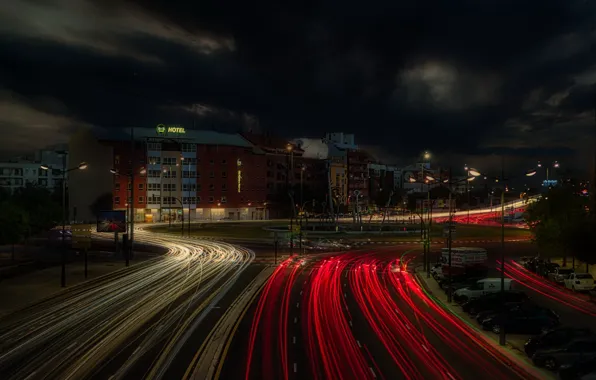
column 129, row 323
column 355, row 315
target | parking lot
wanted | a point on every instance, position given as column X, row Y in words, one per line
column 575, row 312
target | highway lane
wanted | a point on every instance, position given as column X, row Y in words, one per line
column 354, row 315
column 74, row 335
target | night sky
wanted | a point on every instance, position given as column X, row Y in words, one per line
column 467, row 80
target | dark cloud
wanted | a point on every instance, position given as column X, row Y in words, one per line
column 457, row 77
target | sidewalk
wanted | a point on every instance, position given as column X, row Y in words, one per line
column 20, row 291
column 514, row 345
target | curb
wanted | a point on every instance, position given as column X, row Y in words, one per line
column 519, row 362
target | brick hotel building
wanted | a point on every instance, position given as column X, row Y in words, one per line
column 204, row 174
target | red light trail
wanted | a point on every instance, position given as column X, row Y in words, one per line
column 421, row 339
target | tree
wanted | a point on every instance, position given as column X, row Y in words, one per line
column 555, row 221
column 13, row 223
column 40, row 209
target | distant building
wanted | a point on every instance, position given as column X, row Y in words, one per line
column 289, row 168
column 20, row 171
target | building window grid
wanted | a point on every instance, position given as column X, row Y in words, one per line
column 117, row 200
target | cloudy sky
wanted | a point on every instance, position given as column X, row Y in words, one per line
column 466, row 79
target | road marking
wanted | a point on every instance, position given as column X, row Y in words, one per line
column 304, row 282
column 302, row 291
column 359, row 345
column 345, row 295
column 294, row 340
column 450, row 376
column 373, row 372
column 425, row 349
column 408, row 327
column 295, row 319
column 297, row 304
column 350, row 323
column 295, row 367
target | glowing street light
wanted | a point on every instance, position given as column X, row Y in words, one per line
column 473, row 172
column 427, row 155
column 531, row 172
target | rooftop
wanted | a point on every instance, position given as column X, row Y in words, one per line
column 189, row 136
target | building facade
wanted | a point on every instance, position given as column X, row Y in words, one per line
column 26, row 170
column 291, row 179
column 176, row 174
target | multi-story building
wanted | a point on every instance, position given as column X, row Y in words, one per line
column 291, row 178
column 177, row 173
column 23, row 170
column 358, row 181
column 381, row 183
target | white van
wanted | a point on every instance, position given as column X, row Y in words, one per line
column 480, row 288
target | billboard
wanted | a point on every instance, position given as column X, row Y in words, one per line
column 111, row 221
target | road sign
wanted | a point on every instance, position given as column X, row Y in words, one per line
column 81, row 237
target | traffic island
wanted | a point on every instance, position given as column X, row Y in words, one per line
column 514, row 344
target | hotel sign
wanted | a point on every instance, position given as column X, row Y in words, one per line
column 163, row 129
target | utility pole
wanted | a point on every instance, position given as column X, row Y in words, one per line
column 329, row 189
column 502, row 337
column 64, row 170
column 132, row 193
column 449, row 241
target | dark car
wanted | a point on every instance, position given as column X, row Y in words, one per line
column 548, row 268
column 554, row 338
column 522, row 321
column 493, row 301
column 506, row 308
column 577, row 370
column 577, row 351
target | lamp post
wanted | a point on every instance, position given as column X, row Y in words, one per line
column 64, row 171
column 425, row 227
column 142, row 171
column 467, row 169
column 554, row 165
column 502, row 179
column 449, row 181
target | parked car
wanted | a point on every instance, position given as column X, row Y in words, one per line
column 533, row 264
column 507, row 307
column 559, row 275
column 458, row 283
column 576, row 351
column 480, row 288
column 582, row 370
column 581, row 282
column 554, row 338
column 522, row 321
column 437, row 271
column 493, row 301
column 548, row 268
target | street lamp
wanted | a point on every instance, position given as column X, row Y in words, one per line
column 82, row 166
column 502, row 179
